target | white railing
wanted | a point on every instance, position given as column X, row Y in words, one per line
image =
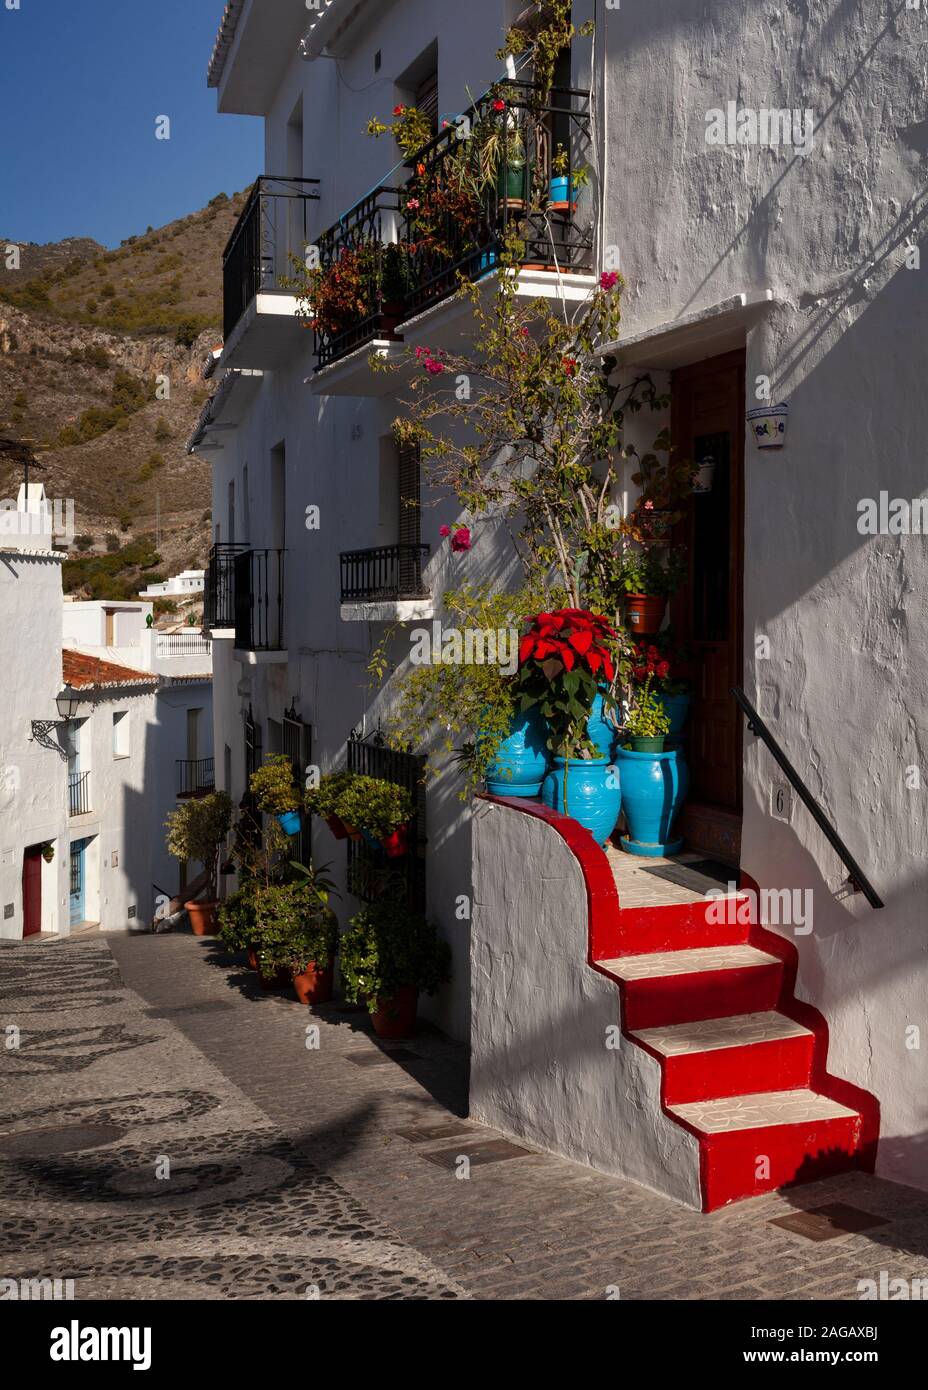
column 182, row 644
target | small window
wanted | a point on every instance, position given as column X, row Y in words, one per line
column 121, row 734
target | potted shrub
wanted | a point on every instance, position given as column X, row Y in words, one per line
column 196, row 830
column 48, row 853
column 382, row 809
column 654, row 780
column 564, row 185
column 276, row 793
column 324, row 800
column 647, row 724
column 566, row 657
column 388, row 956
column 648, row 584
column 298, row 936
column 238, row 928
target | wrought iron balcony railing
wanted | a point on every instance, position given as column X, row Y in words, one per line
column 272, row 228
column 517, row 170
column 78, row 793
column 386, row 572
column 219, row 606
column 195, row 776
column 259, row 600
column 363, row 247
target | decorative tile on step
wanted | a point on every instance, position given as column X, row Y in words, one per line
column 758, row 1111
column 708, row 1035
column 703, row 958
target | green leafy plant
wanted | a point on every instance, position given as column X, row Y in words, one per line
column 410, row 128
column 368, row 803
column 294, row 927
column 197, row 830
column 386, row 948
column 273, row 787
column 644, row 572
column 647, row 718
column 237, row 920
column 324, row 800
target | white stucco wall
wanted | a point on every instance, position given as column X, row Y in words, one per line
column 33, row 779
column 548, row 1062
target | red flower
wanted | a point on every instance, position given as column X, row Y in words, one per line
column 444, row 530
column 569, row 364
column 499, row 105
column 461, row 541
column 608, row 280
column 663, row 668
column 398, row 110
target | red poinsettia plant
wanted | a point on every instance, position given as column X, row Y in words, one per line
column 566, row 658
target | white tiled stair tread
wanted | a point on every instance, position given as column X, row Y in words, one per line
column 757, row 1111
column 677, row 1039
column 691, row 962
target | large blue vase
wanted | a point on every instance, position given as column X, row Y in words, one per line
column 600, row 731
column 676, row 707
column 654, row 787
column 522, row 760
column 593, row 793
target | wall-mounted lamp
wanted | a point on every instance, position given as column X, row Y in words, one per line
column 68, row 702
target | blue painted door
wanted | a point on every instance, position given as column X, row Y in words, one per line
column 78, row 881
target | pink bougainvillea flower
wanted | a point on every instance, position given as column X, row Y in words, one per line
column 412, row 203
column 461, row 540
column 444, row 530
column 433, row 367
column 649, row 506
column 608, row 280
column 499, row 105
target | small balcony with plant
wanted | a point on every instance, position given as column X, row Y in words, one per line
column 507, row 180
column 261, row 323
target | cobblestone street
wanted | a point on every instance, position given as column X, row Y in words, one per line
column 165, row 1132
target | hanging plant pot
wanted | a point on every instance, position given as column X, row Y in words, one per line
column 337, row 827
column 289, row 822
column 562, row 194
column 396, row 843
column 353, row 832
column 768, row 425
column 202, row 918
column 313, row 985
column 512, row 184
column 704, row 476
column 396, row 1017
column 644, row 613
column 48, row 853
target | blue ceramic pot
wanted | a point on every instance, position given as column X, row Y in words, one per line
column 654, row 787
column 562, row 189
column 600, row 731
column 290, row 822
column 593, row 794
column 676, row 707
column 522, row 760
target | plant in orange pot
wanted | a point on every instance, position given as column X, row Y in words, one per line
column 388, row 956
column 648, row 582
column 197, row 831
column 298, row 937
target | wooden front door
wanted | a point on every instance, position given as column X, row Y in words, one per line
column 707, row 402
column 32, row 891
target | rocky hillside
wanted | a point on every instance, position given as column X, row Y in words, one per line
column 84, row 335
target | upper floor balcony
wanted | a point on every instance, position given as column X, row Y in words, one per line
column 514, row 163
column 261, row 323
column 258, row 602
column 385, row 584
column 219, row 605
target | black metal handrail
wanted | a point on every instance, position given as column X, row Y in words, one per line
column 365, row 243
column 384, row 572
column 856, row 876
column 408, row 246
column 78, row 793
column 273, row 226
column 220, row 585
column 195, row 776
column 259, row 600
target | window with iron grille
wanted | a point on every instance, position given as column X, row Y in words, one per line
column 297, row 745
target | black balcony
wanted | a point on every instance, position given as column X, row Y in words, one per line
column 364, row 243
column 259, row 600
column 386, row 572
column 406, row 248
column 272, row 229
column 219, row 607
column 78, row 793
column 195, row 777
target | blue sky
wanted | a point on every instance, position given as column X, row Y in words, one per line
column 81, row 85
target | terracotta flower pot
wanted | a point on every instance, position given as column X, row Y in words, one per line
column 352, row 832
column 644, row 613
column 252, row 958
column 337, row 827
column 396, row 1017
column 202, row 916
column 312, row 985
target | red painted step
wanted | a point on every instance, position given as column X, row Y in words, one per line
column 683, row 986
column 734, row 1056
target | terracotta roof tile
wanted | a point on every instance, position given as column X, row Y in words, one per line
column 82, row 672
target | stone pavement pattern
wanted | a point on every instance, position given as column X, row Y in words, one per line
column 335, row 1167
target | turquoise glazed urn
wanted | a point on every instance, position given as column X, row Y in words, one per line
column 654, row 787
column 593, row 795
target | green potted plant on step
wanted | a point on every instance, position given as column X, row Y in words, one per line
column 298, row 936
column 197, row 831
column 647, row 723
column 238, row 923
column 388, row 956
